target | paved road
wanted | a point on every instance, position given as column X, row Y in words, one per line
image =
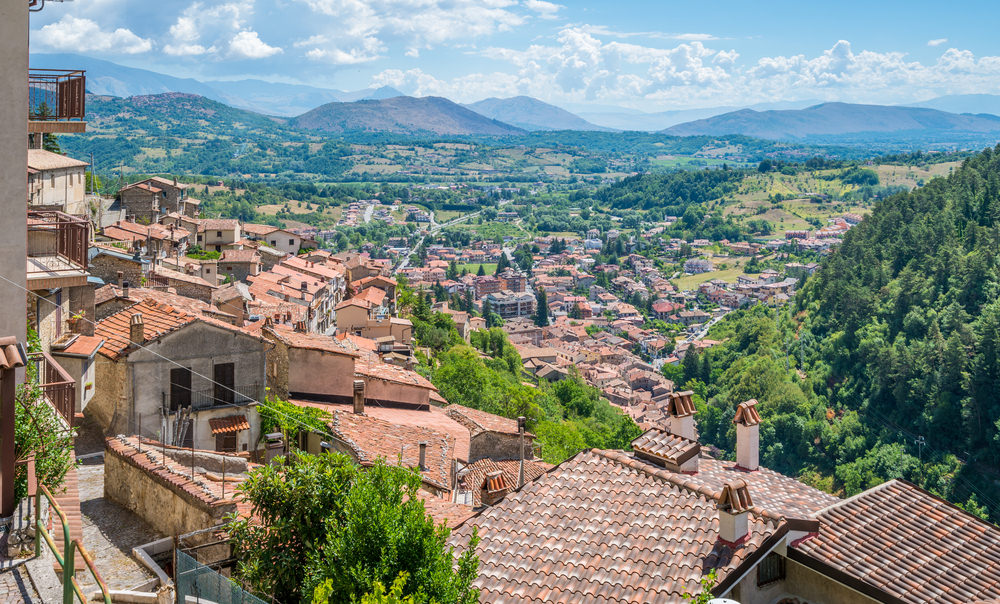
column 16, row 588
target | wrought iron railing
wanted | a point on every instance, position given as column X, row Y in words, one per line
column 57, row 385
column 57, row 94
column 55, row 235
column 221, row 395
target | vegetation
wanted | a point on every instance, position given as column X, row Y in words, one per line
column 888, row 364
column 325, row 530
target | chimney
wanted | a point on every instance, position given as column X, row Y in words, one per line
column 747, row 422
column 734, row 512
column 359, row 397
column 423, row 455
column 121, row 276
column 680, row 406
column 136, row 330
column 520, row 466
column 125, row 285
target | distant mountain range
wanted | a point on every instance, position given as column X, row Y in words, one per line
column 531, row 114
column 402, row 115
column 963, row 103
column 621, row 118
column 286, row 100
column 839, row 119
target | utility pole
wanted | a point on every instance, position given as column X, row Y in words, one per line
column 920, row 442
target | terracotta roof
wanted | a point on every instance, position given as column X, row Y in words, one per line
column 680, row 403
column 746, row 413
column 907, row 544
column 604, row 526
column 355, row 301
column 371, row 366
column 664, row 446
column 474, row 474
column 310, row 341
column 218, row 224
column 231, row 255
column 372, row 438
column 483, row 421
column 444, row 511
column 82, row 346
column 40, row 159
column 772, row 491
column 258, row 229
column 373, row 295
column 157, row 319
column 230, row 423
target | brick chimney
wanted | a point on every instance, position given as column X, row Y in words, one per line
column 423, row 455
column 680, row 406
column 136, row 329
column 747, row 422
column 359, row 397
column 734, row 512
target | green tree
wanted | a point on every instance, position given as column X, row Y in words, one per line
column 325, row 530
column 481, row 272
column 541, row 307
column 50, row 142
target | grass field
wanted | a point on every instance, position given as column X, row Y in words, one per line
column 734, row 270
column 489, row 267
column 446, row 215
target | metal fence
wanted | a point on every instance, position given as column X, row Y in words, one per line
column 197, row 583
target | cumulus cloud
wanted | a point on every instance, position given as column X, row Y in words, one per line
column 583, row 62
column 367, row 27
column 208, row 29
column 547, row 10
column 84, row 35
column 247, row 44
column 937, row 41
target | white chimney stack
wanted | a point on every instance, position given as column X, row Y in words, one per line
column 747, row 422
column 680, row 406
column 734, row 512
column 136, row 329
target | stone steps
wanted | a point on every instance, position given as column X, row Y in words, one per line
column 68, row 498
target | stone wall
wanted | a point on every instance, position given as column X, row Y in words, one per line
column 109, row 406
column 162, row 503
column 106, row 268
column 498, row 446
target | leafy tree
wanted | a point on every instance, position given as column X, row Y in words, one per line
column 326, row 530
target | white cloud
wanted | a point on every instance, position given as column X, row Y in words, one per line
column 247, row 44
column 366, row 28
column 84, row 35
column 547, row 10
column 937, row 41
column 207, row 30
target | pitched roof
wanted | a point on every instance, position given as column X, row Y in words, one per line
column 905, row 543
column 157, row 319
column 483, row 421
column 370, row 438
column 310, row 341
column 772, row 491
column 218, row 224
column 604, row 526
column 443, row 510
column 247, row 255
column 472, row 477
column 40, row 159
column 370, row 366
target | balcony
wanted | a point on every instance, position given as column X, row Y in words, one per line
column 57, row 101
column 220, row 396
column 57, row 249
column 56, row 385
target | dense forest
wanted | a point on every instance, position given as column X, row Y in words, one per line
column 888, row 363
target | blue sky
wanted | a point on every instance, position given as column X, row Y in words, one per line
column 645, row 55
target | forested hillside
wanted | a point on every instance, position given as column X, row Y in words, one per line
column 888, row 363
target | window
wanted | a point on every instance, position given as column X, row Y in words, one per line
column 770, row 569
column 218, row 233
column 180, row 388
column 291, row 242
column 225, row 382
column 52, row 180
column 274, row 242
column 226, row 442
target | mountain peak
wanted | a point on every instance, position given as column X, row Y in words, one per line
column 402, row 115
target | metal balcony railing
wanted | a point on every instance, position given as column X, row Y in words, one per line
column 57, row 94
column 56, row 385
column 220, row 395
column 58, row 241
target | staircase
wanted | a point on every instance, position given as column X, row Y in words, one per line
column 68, row 499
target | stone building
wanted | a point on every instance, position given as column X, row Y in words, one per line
column 55, row 181
column 147, row 200
column 168, row 372
column 239, row 264
column 492, row 436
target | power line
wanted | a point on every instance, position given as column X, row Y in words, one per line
column 210, row 380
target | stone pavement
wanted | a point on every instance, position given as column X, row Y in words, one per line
column 15, row 587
